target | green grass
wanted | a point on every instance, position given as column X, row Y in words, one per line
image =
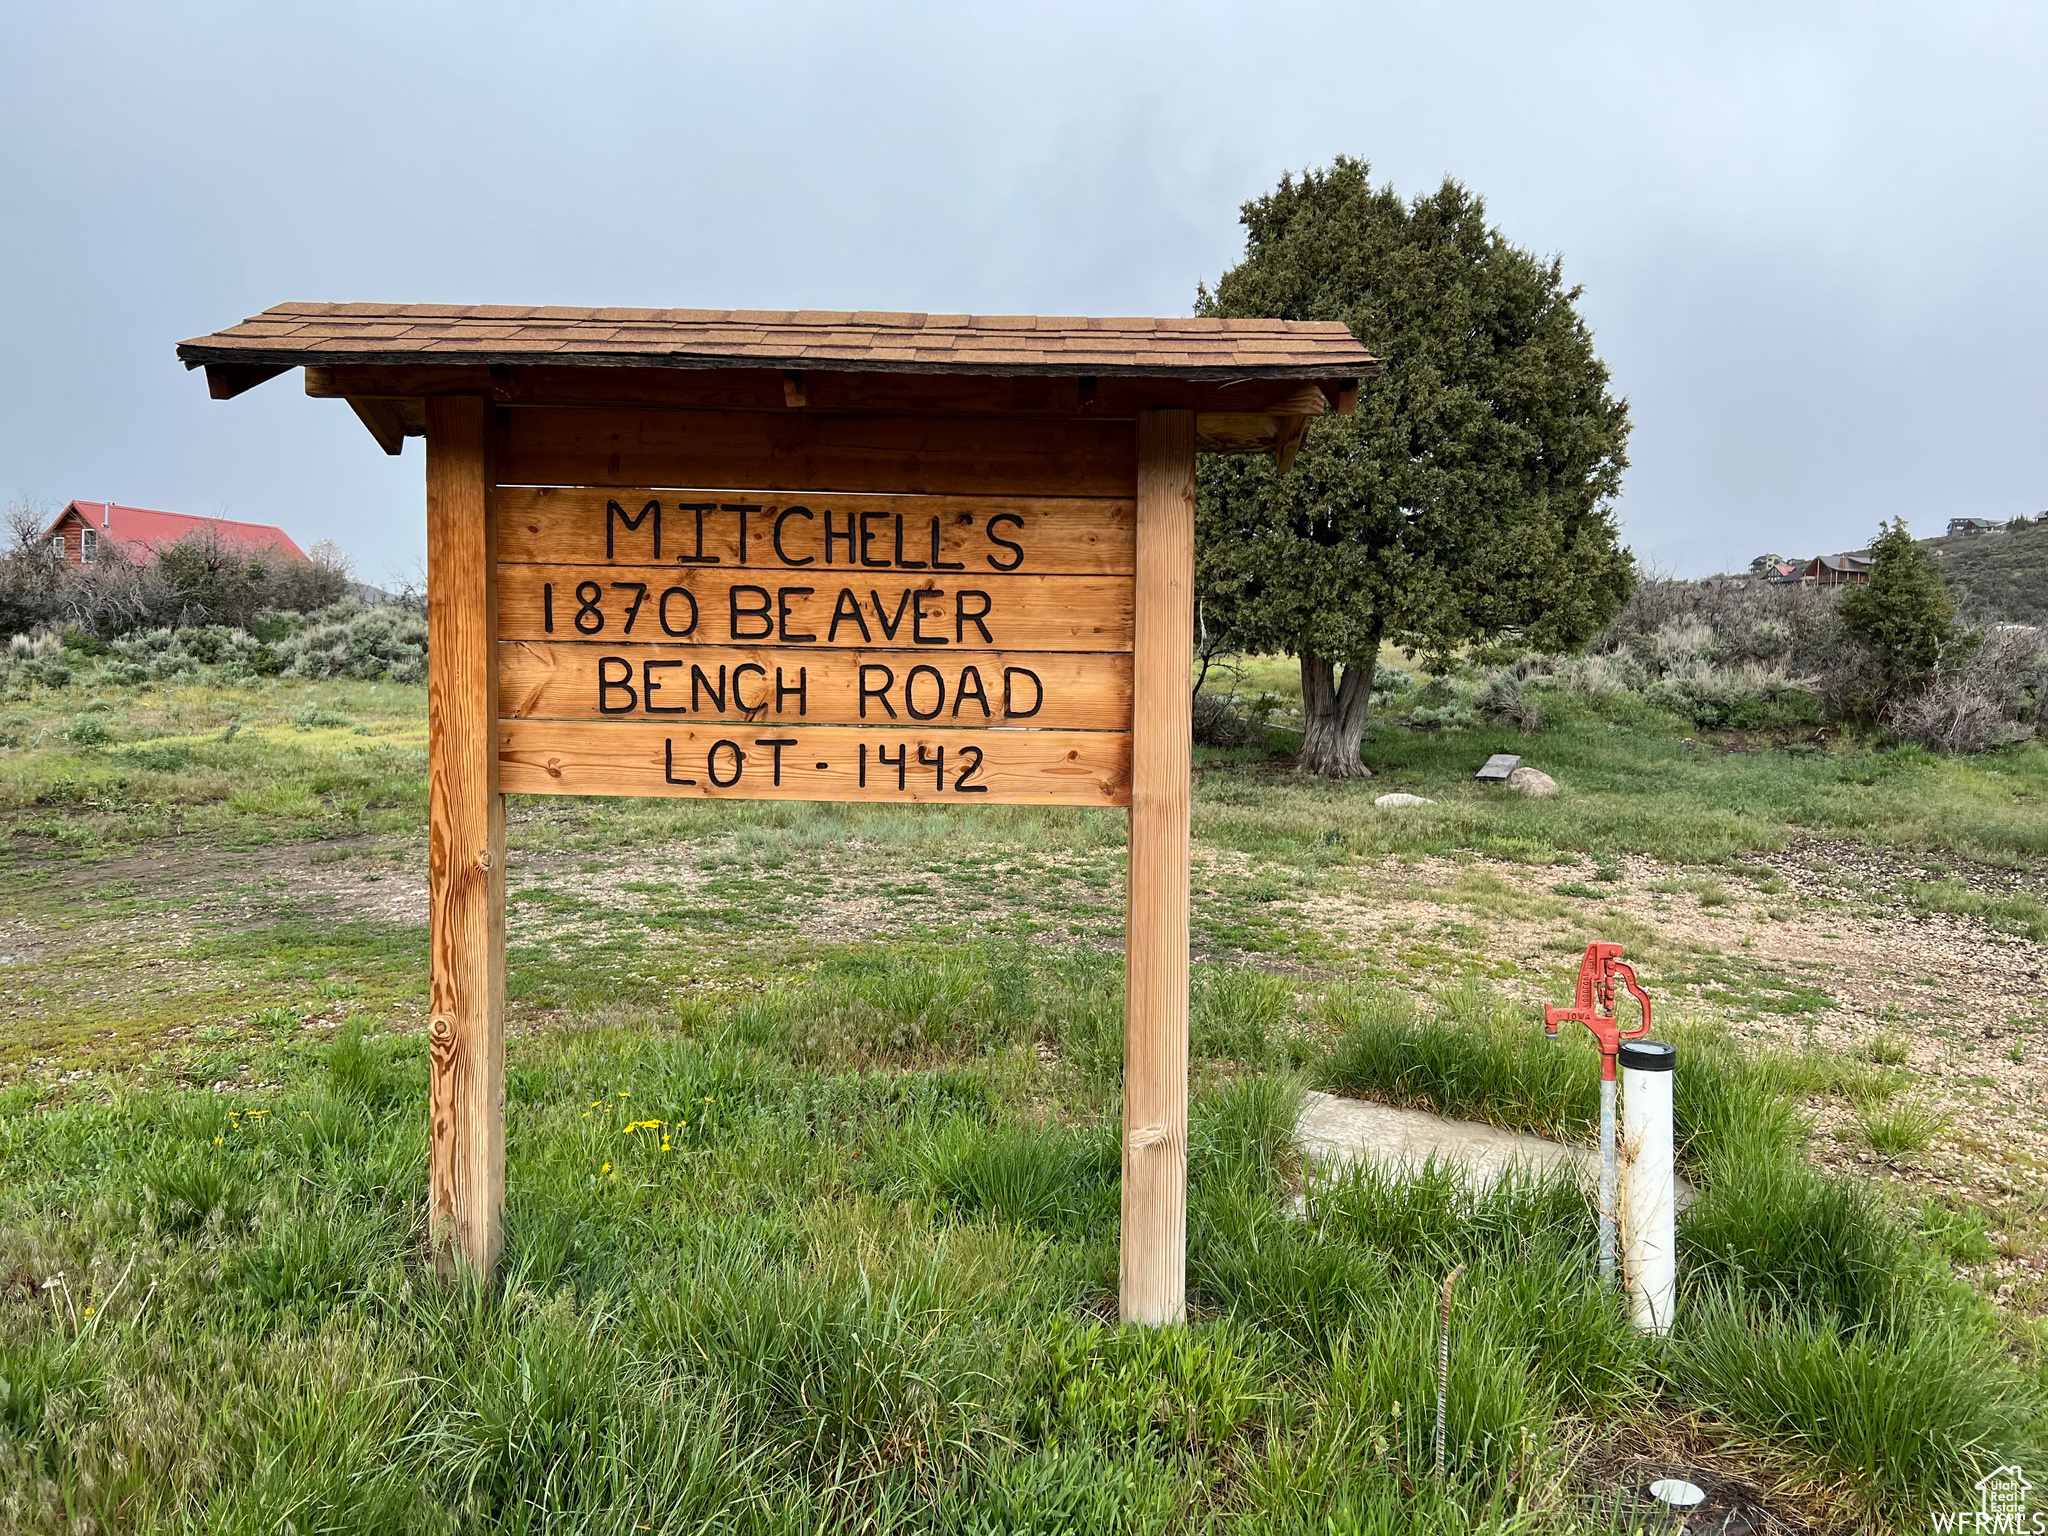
column 774, row 1264
column 2020, row 913
column 1904, row 1418
column 1898, row 1130
column 811, row 1234
column 1816, row 1317
column 283, row 761
column 1631, row 784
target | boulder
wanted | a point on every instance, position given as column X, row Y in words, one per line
column 1395, row 802
column 1532, row 781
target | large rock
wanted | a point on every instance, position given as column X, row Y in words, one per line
column 1532, row 781
column 1395, row 802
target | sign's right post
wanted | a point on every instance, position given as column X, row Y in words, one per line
column 1153, row 1278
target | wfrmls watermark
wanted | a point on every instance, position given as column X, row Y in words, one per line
column 2002, row 1512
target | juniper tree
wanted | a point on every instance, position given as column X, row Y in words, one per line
column 1903, row 616
column 1470, row 496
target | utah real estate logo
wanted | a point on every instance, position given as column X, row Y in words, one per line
column 2003, row 1508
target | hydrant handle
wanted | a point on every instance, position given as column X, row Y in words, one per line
column 1627, row 973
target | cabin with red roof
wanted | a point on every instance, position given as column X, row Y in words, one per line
column 79, row 533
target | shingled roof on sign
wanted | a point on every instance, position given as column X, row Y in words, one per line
column 291, row 335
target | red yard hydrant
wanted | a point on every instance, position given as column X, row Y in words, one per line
column 1594, row 1008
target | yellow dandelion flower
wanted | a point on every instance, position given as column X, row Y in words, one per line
column 220, row 1141
column 607, row 1168
column 88, row 1311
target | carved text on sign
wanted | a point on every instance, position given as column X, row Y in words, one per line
column 996, row 628
column 817, row 532
column 1045, row 690
column 553, row 757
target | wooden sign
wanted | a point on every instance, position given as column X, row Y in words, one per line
column 757, row 645
column 784, row 555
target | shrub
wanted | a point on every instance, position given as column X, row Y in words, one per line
column 346, row 641
column 31, row 576
column 1955, row 717
column 1736, row 653
column 1502, row 700
column 1222, row 720
column 1749, row 696
column 209, row 650
column 1444, row 703
column 1987, row 694
column 202, row 579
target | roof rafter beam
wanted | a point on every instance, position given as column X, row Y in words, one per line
column 391, row 422
column 224, row 381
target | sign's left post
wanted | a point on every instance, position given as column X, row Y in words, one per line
column 465, row 841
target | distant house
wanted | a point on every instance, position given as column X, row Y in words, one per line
column 1958, row 525
column 79, row 533
column 1836, row 571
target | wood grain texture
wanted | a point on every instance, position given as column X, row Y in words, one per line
column 740, row 762
column 791, row 685
column 883, row 610
column 787, row 450
column 1027, row 535
column 381, row 417
column 465, row 846
column 1153, row 1278
column 767, row 389
column 1236, row 433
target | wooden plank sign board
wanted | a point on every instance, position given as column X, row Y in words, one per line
column 755, row 645
column 797, row 556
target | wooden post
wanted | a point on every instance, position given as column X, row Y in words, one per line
column 1154, row 1256
column 465, row 843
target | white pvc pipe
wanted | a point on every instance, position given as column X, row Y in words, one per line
column 1649, row 1184
column 1607, row 1206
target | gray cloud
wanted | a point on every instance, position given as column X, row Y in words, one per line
column 1809, row 235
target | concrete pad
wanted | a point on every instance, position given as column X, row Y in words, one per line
column 1336, row 1132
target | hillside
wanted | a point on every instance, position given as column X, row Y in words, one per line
column 1998, row 575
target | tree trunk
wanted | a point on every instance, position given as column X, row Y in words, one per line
column 1333, row 716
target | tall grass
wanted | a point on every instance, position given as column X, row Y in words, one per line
column 779, row 1264
column 1473, row 1056
column 1807, row 1301
column 1910, row 1419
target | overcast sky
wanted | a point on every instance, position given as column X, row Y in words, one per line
column 1811, row 237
